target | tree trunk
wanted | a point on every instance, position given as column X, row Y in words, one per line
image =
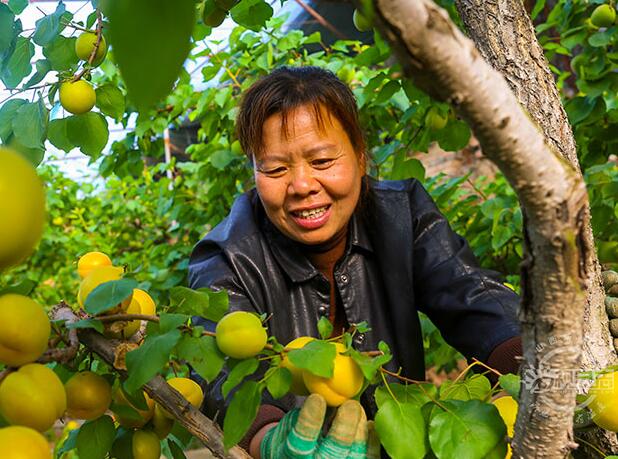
column 443, row 62
column 504, row 34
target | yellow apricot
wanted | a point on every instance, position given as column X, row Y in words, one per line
column 298, row 385
column 97, row 277
column 603, row 396
column 33, row 396
column 88, row 395
column 77, row 97
column 146, row 445
column 189, row 389
column 22, row 208
column 346, row 382
column 19, row 313
column 85, row 44
column 19, row 442
column 90, row 261
column 240, row 335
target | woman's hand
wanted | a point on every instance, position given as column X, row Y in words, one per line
column 610, row 282
column 298, row 434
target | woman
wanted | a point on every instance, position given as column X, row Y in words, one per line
column 318, row 238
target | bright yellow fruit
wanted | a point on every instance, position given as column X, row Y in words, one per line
column 604, row 401
column 146, row 445
column 88, row 395
column 298, row 385
column 507, row 407
column 346, row 382
column 141, row 303
column 161, row 424
column 189, row 389
column 133, row 422
column 85, row 44
column 22, row 208
column 77, row 97
column 147, row 304
column 33, row 397
column 97, row 277
column 240, row 335
column 17, row 314
column 18, row 442
column 90, row 261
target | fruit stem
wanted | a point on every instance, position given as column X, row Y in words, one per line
column 388, row 387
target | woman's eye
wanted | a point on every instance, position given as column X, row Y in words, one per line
column 321, row 163
column 275, row 171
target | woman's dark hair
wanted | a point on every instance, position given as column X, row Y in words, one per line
column 287, row 88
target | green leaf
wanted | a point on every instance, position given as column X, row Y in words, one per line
column 61, row 53
column 202, row 302
column 317, row 357
column 369, row 365
column 202, row 354
column 241, row 413
column 18, row 66
column 69, row 444
column 404, row 167
column 279, row 382
column 34, row 155
column 468, row 430
column 511, row 384
column 168, row 321
column 476, row 387
column 6, row 27
column 95, row 438
column 89, row 132
column 87, row 323
column 123, row 444
column 175, row 449
column 415, row 394
column 151, row 40
column 108, row 295
column 325, row 328
column 17, row 6
column 455, row 135
column 8, row 111
column 30, row 124
column 252, row 14
column 110, row 101
column 241, row 370
column 401, row 429
column 146, row 361
column 48, row 27
column 24, row 288
column 58, row 134
column 43, row 66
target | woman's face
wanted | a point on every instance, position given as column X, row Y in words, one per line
column 309, row 180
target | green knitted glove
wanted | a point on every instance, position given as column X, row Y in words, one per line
column 610, row 283
column 298, row 436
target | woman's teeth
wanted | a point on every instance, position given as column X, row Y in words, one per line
column 313, row 213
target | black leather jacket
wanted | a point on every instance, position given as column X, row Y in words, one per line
column 401, row 257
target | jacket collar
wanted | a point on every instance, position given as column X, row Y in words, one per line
column 290, row 257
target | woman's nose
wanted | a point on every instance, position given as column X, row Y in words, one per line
column 303, row 181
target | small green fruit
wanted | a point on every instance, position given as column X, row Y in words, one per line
column 603, row 16
column 434, row 120
column 361, row 22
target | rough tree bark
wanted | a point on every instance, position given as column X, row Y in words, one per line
column 443, row 62
column 504, row 34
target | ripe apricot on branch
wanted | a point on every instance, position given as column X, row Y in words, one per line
column 507, row 407
column 85, row 44
column 77, row 97
column 19, row 442
column 189, row 389
column 141, row 303
column 240, row 335
column 22, row 208
column 603, row 16
column 33, row 397
column 146, row 445
column 17, row 314
column 90, row 261
column 298, row 385
column 88, row 395
column 603, row 396
column 346, row 382
column 97, row 277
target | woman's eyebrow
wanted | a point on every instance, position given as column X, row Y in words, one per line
column 319, row 148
